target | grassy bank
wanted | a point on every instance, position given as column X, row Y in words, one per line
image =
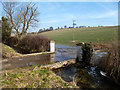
column 33, row 77
column 91, row 34
column 8, row 52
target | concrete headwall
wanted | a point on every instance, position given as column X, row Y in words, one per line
column 52, row 46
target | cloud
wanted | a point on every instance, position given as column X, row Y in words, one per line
column 52, row 21
column 70, row 16
column 92, row 15
column 106, row 15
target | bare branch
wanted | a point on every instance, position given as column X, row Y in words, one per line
column 23, row 18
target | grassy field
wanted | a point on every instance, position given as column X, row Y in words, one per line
column 91, row 34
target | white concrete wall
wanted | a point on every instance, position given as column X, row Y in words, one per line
column 52, row 46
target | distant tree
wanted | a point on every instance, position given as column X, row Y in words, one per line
column 51, row 28
column 44, row 29
column 61, row 27
column 40, row 31
column 58, row 28
column 6, row 29
column 47, row 29
column 70, row 27
column 21, row 16
column 65, row 26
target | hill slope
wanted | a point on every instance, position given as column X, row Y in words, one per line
column 91, row 34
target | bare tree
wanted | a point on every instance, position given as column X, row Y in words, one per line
column 22, row 16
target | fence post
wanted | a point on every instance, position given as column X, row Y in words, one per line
column 52, row 46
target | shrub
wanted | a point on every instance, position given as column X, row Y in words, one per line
column 6, row 29
column 87, row 52
column 111, row 63
column 33, row 43
column 11, row 41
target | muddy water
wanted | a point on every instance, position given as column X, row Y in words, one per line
column 27, row 61
column 63, row 52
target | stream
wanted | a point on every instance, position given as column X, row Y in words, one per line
column 88, row 77
column 64, row 52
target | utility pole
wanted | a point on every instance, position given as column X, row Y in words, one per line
column 73, row 30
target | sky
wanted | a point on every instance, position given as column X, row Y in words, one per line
column 85, row 13
column 0, row 10
column 59, row 14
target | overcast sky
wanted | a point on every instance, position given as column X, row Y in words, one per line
column 58, row 14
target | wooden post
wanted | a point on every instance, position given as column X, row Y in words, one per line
column 52, row 46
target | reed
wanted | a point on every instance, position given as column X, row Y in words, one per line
column 111, row 63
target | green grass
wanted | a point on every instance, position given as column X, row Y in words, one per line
column 91, row 34
column 30, row 78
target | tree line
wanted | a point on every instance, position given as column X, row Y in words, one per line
column 65, row 27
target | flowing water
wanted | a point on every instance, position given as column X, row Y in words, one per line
column 63, row 52
column 88, row 77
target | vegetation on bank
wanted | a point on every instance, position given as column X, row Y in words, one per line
column 27, row 17
column 29, row 44
column 91, row 34
column 111, row 62
column 6, row 29
column 33, row 77
column 33, row 44
column 7, row 51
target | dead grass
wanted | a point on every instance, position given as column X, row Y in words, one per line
column 101, row 46
column 111, row 63
column 8, row 52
